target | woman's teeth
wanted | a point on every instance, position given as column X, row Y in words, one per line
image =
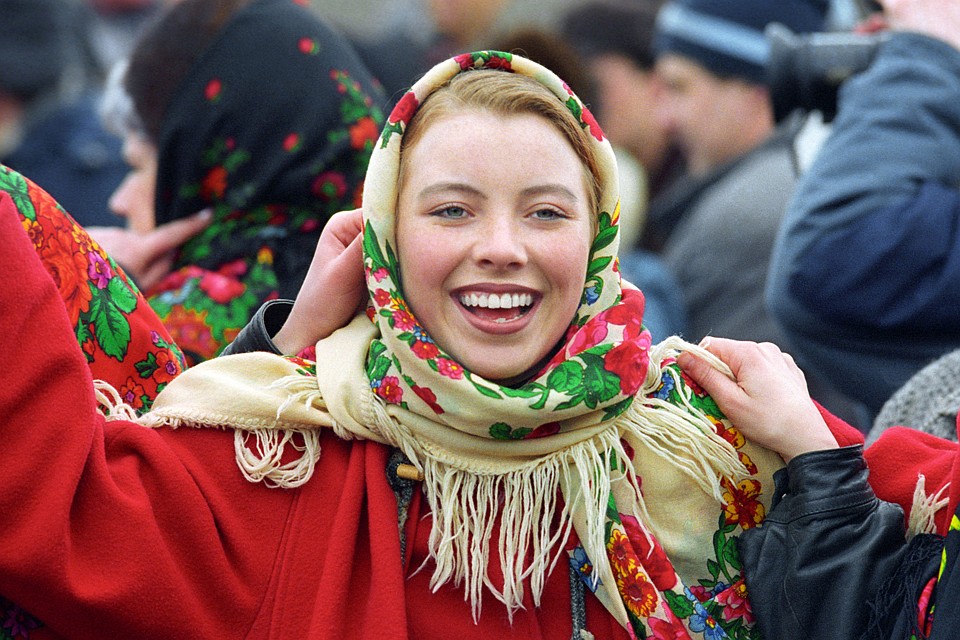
column 496, row 300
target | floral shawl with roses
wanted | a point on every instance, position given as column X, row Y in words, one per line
column 272, row 129
column 124, row 341
column 608, row 460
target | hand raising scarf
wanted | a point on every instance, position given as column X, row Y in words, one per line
column 567, row 449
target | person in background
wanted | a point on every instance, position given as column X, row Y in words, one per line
column 50, row 127
column 616, row 36
column 112, row 28
column 127, row 351
column 929, row 401
column 260, row 117
column 398, row 58
column 715, row 229
column 865, row 278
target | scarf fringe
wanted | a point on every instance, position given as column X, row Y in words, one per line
column 684, row 436
column 924, row 509
column 466, row 505
column 263, row 462
column 110, row 404
column 527, row 503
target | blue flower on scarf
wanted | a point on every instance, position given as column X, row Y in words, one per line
column 591, row 294
column 420, row 334
column 701, row 621
column 666, row 386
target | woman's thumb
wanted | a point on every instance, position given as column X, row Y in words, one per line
column 714, row 382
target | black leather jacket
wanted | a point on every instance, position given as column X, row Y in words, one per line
column 831, row 560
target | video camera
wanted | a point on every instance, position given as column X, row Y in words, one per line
column 806, row 71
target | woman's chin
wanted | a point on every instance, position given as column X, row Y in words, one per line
column 515, row 375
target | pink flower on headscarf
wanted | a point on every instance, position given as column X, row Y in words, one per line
column 389, row 389
column 99, row 270
column 381, row 297
column 498, row 62
column 589, row 335
column 221, row 289
column 449, row 368
column 425, row 350
column 403, row 321
column 735, row 603
column 592, row 123
column 465, row 60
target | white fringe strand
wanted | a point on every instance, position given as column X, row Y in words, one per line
column 109, row 403
column 924, row 509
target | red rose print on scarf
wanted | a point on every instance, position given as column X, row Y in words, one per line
column 651, row 555
column 405, row 108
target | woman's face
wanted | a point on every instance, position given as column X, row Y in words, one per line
column 134, row 198
column 493, row 233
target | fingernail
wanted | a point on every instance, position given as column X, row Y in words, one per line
column 205, row 214
column 705, row 343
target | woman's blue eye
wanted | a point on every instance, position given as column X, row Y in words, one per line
column 452, row 212
column 548, row 214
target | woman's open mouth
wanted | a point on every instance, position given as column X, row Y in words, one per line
column 497, row 307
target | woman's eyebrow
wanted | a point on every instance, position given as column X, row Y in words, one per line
column 534, row 190
column 445, row 187
column 550, row 189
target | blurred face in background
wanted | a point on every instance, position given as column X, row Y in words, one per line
column 465, row 20
column 134, row 198
column 629, row 97
column 712, row 119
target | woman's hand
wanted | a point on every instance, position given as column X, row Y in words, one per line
column 767, row 401
column 148, row 257
column 334, row 289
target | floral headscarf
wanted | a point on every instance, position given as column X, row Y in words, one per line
column 557, row 461
column 272, row 128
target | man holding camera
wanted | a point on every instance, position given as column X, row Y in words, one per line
column 716, row 228
column 865, row 278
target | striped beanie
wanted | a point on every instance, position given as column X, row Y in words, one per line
column 726, row 36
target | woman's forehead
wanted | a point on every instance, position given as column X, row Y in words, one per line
column 523, row 151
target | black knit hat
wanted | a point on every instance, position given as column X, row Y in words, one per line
column 33, row 45
column 726, row 36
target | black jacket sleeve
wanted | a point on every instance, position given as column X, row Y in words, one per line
column 258, row 333
column 824, row 551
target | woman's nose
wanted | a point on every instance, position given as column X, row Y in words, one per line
column 501, row 242
column 119, row 202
